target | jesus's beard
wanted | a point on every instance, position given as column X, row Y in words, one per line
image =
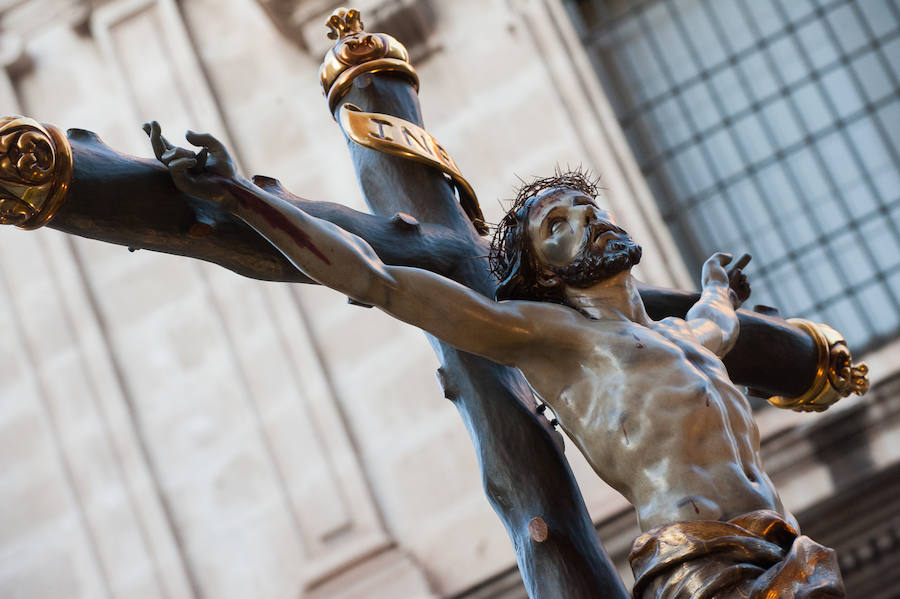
column 595, row 264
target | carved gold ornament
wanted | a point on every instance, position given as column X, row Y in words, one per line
column 357, row 52
column 836, row 374
column 35, row 171
column 392, row 135
column 344, row 22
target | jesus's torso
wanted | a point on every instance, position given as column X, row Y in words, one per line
column 657, row 417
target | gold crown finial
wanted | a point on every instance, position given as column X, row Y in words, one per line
column 356, row 52
column 344, row 22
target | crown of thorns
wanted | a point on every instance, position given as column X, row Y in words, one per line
column 507, row 241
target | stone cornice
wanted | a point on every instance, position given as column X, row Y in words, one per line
column 30, row 18
column 22, row 22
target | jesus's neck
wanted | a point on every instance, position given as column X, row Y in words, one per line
column 616, row 298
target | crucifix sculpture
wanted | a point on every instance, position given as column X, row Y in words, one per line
column 426, row 216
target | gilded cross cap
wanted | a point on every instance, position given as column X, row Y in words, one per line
column 836, row 376
column 344, row 22
column 356, row 52
column 35, row 171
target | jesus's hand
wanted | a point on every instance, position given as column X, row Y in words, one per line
column 714, row 272
column 199, row 174
column 735, row 280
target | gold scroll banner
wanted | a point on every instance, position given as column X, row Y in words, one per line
column 395, row 136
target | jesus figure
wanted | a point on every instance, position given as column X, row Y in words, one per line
column 648, row 403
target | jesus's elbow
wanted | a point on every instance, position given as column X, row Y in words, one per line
column 730, row 332
column 380, row 290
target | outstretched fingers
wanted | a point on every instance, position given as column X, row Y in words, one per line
column 714, row 269
column 179, row 167
column 723, row 258
column 205, row 140
column 176, row 153
column 152, row 130
column 737, row 280
column 160, row 144
column 742, row 262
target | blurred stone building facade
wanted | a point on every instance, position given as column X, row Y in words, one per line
column 169, row 429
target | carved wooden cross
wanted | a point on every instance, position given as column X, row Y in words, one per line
column 425, row 215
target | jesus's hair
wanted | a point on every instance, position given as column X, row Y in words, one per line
column 511, row 257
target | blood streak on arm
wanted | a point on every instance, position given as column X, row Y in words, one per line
column 273, row 217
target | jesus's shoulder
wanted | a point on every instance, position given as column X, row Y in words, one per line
column 559, row 327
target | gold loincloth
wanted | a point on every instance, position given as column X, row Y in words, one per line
column 757, row 555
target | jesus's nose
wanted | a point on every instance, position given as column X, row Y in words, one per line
column 589, row 214
column 598, row 218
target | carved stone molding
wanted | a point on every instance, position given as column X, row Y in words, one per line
column 13, row 57
column 29, row 18
column 862, row 522
column 24, row 20
column 303, row 451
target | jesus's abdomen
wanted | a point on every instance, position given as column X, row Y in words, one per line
column 670, row 433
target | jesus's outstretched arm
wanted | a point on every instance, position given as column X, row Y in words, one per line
column 501, row 331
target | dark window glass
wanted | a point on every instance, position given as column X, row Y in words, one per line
column 769, row 126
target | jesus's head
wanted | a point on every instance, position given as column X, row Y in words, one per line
column 555, row 237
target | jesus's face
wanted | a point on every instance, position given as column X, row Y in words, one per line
column 577, row 241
